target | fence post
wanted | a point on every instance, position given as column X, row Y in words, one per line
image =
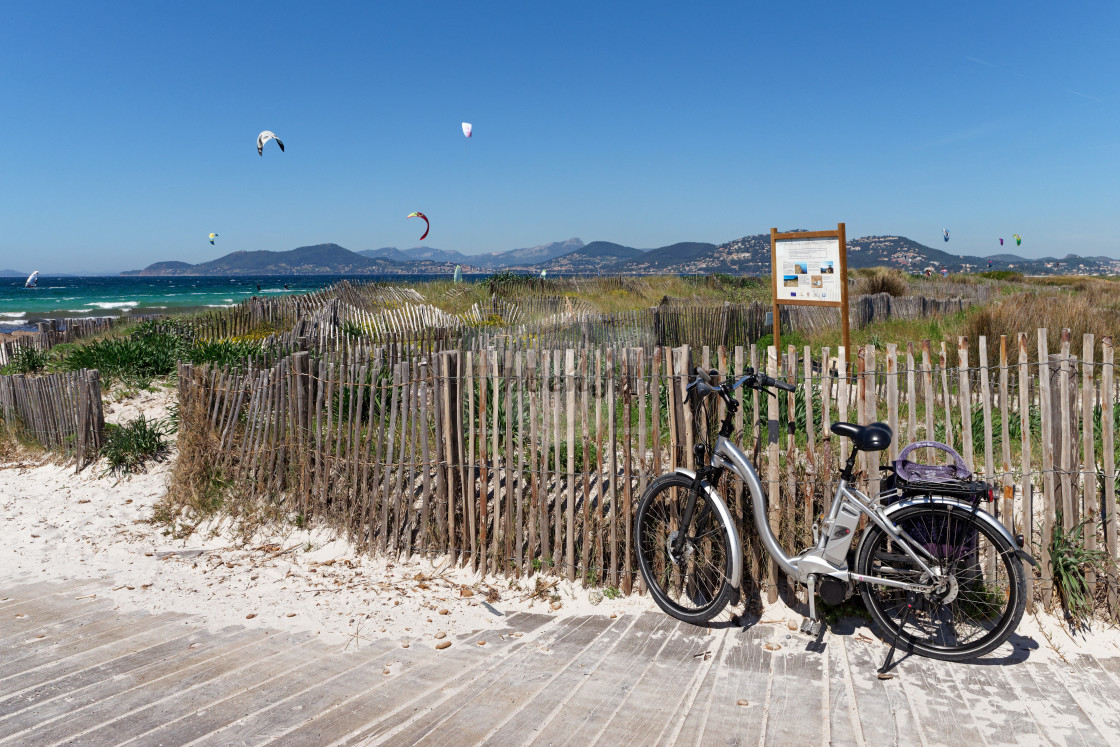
column 1026, row 463
column 1045, row 371
column 1089, row 462
column 1108, row 448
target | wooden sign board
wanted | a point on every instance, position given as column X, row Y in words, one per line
column 809, row 268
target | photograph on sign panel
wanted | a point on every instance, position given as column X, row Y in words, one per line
column 789, row 281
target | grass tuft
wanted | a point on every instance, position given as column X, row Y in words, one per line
column 127, row 447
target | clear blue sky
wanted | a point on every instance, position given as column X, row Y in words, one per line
column 127, row 130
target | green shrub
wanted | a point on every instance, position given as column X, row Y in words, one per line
column 128, row 446
column 25, row 361
column 1070, row 560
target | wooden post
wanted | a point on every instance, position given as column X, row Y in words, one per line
column 1007, row 509
column 773, row 476
column 1108, row 456
column 1027, row 488
column 1047, row 446
column 1089, row 460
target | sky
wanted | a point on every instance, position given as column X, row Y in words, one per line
column 128, row 130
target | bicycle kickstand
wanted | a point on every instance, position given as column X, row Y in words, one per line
column 883, row 670
column 811, row 625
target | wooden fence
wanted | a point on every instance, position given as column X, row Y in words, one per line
column 517, row 460
column 61, row 411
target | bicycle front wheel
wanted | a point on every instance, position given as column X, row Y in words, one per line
column 692, row 584
column 977, row 605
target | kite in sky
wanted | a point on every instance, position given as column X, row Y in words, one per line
column 264, row 137
column 946, row 232
column 1018, row 239
column 212, row 237
column 467, row 129
column 427, row 225
column 1001, row 242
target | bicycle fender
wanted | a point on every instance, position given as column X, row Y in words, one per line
column 725, row 516
column 983, row 516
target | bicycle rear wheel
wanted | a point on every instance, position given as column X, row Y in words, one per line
column 977, row 607
column 692, row 585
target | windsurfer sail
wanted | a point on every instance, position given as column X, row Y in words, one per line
column 32, row 280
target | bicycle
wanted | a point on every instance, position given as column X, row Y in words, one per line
column 938, row 562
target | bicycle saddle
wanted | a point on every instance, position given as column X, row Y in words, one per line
column 874, row 437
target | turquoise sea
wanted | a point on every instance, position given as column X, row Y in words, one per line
column 67, row 297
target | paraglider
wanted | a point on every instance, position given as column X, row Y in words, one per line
column 1018, row 239
column 946, row 232
column 467, row 129
column 427, row 225
column 212, row 237
column 264, row 137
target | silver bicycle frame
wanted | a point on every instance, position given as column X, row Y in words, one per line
column 812, row 561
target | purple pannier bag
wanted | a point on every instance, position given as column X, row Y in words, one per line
column 917, row 472
column 926, row 479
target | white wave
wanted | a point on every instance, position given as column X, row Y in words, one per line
column 219, row 305
column 228, row 300
column 113, row 305
column 13, row 314
column 157, row 307
column 68, row 298
column 7, row 323
column 77, row 311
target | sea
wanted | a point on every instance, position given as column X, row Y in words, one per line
column 87, row 297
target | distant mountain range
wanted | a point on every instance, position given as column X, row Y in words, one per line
column 749, row 255
column 529, row 256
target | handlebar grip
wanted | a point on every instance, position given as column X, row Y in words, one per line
column 785, row 386
column 703, row 375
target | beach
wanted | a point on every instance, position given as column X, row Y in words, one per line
column 57, row 525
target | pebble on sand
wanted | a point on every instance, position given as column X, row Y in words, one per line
column 443, row 644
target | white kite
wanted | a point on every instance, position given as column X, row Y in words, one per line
column 264, row 137
column 466, row 129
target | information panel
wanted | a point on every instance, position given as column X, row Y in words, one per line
column 808, row 269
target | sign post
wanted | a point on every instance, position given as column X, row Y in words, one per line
column 809, row 268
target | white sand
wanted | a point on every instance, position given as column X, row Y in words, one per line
column 56, row 525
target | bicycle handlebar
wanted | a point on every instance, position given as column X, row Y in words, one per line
column 704, row 385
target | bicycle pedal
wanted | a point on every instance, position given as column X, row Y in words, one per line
column 811, row 627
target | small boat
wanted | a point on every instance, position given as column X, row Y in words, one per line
column 32, row 280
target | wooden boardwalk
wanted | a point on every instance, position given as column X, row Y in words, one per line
column 74, row 670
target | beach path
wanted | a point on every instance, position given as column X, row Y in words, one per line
column 80, row 668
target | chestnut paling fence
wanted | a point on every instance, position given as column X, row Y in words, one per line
column 60, row 411
column 520, row 460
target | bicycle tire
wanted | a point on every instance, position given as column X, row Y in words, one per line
column 982, row 603
column 691, row 591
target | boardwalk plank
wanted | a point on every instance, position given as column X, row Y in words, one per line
column 495, row 699
column 363, row 709
column 149, row 694
column 70, row 704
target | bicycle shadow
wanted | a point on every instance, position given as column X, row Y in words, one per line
column 1015, row 650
